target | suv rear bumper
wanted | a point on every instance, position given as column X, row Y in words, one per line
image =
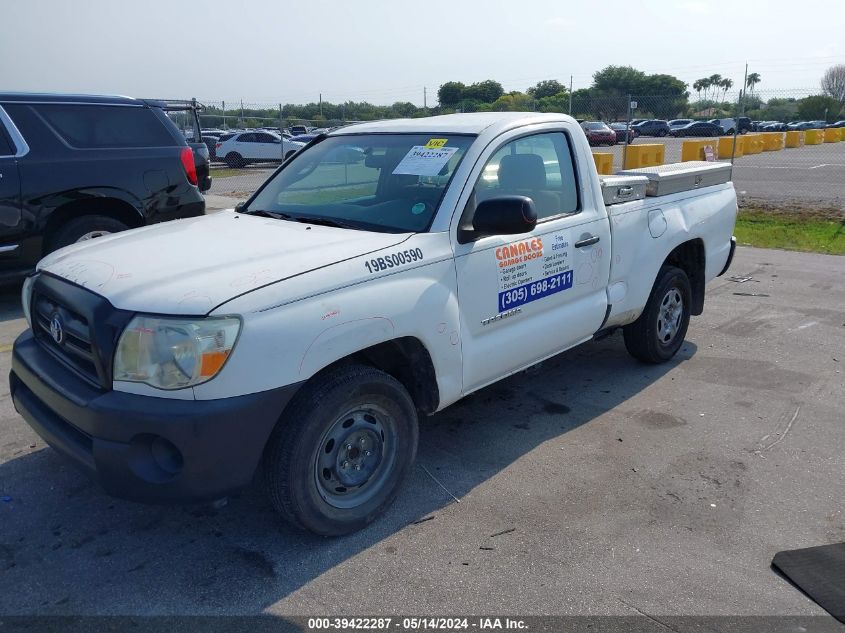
column 140, row 447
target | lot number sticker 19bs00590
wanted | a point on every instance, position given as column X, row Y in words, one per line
column 534, row 268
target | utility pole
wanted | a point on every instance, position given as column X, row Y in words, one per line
column 570, row 95
column 425, row 104
column 740, row 107
column 321, row 105
column 242, row 112
column 224, row 115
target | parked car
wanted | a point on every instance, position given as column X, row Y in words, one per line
column 619, row 129
column 598, row 133
column 837, row 124
column 675, row 123
column 73, row 168
column 637, row 121
column 298, row 129
column 744, row 124
column 698, row 128
column 255, row 147
column 315, row 322
column 652, row 127
column 802, row 125
column 303, row 138
column 728, row 125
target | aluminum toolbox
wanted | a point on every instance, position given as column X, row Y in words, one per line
column 618, row 189
column 677, row 177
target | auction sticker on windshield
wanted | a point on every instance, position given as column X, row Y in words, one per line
column 533, row 268
column 422, row 161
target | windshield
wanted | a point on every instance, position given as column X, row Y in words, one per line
column 378, row 182
column 595, row 125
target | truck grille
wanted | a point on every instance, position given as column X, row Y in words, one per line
column 78, row 327
column 75, row 345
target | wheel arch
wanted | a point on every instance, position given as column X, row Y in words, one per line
column 405, row 358
column 690, row 257
column 107, row 205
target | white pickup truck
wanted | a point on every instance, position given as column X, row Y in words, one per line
column 388, row 269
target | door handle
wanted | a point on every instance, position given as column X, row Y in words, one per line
column 587, row 241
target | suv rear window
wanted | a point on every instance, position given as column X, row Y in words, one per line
column 104, row 126
column 5, row 146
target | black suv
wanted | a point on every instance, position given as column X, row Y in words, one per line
column 77, row 167
column 652, row 127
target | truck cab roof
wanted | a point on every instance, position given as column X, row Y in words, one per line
column 49, row 97
column 470, row 123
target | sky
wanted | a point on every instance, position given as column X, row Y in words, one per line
column 271, row 51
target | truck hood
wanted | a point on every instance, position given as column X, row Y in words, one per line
column 191, row 266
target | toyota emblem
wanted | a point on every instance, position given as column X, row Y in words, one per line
column 56, row 330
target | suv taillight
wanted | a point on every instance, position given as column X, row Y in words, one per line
column 218, row 146
column 187, row 158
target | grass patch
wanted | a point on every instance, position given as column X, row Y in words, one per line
column 224, row 172
column 810, row 232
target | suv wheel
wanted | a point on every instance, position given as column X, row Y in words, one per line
column 337, row 458
column 85, row 228
column 233, row 159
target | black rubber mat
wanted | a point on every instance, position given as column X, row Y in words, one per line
column 819, row 572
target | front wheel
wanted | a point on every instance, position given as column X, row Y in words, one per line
column 339, row 455
column 657, row 335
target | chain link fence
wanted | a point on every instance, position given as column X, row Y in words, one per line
column 789, row 150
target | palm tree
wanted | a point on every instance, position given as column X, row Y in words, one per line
column 715, row 82
column 702, row 84
column 726, row 84
column 752, row 80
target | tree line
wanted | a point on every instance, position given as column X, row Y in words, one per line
column 656, row 95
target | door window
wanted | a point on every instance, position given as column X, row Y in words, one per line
column 539, row 167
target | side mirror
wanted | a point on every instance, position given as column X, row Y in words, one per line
column 239, row 207
column 504, row 215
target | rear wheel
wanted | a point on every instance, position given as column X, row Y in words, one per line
column 87, row 227
column 657, row 335
column 233, row 160
column 338, row 457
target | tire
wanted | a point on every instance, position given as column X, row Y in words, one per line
column 661, row 133
column 234, row 160
column 84, row 228
column 354, row 416
column 657, row 335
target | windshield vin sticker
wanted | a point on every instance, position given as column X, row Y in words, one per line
column 533, row 268
column 421, row 161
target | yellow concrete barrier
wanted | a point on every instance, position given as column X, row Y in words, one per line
column 696, row 150
column 813, row 137
column 753, row 144
column 604, row 162
column 794, row 138
column 726, row 146
column 773, row 141
column 833, row 135
column 645, row 155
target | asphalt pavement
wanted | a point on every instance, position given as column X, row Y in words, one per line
column 590, row 485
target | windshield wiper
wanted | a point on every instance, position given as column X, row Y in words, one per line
column 269, row 214
column 324, row 221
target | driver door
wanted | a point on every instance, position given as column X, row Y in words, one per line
column 527, row 297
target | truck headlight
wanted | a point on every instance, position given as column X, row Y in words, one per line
column 26, row 297
column 174, row 353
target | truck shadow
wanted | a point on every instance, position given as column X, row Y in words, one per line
column 82, row 552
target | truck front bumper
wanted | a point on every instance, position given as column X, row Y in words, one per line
column 139, row 447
